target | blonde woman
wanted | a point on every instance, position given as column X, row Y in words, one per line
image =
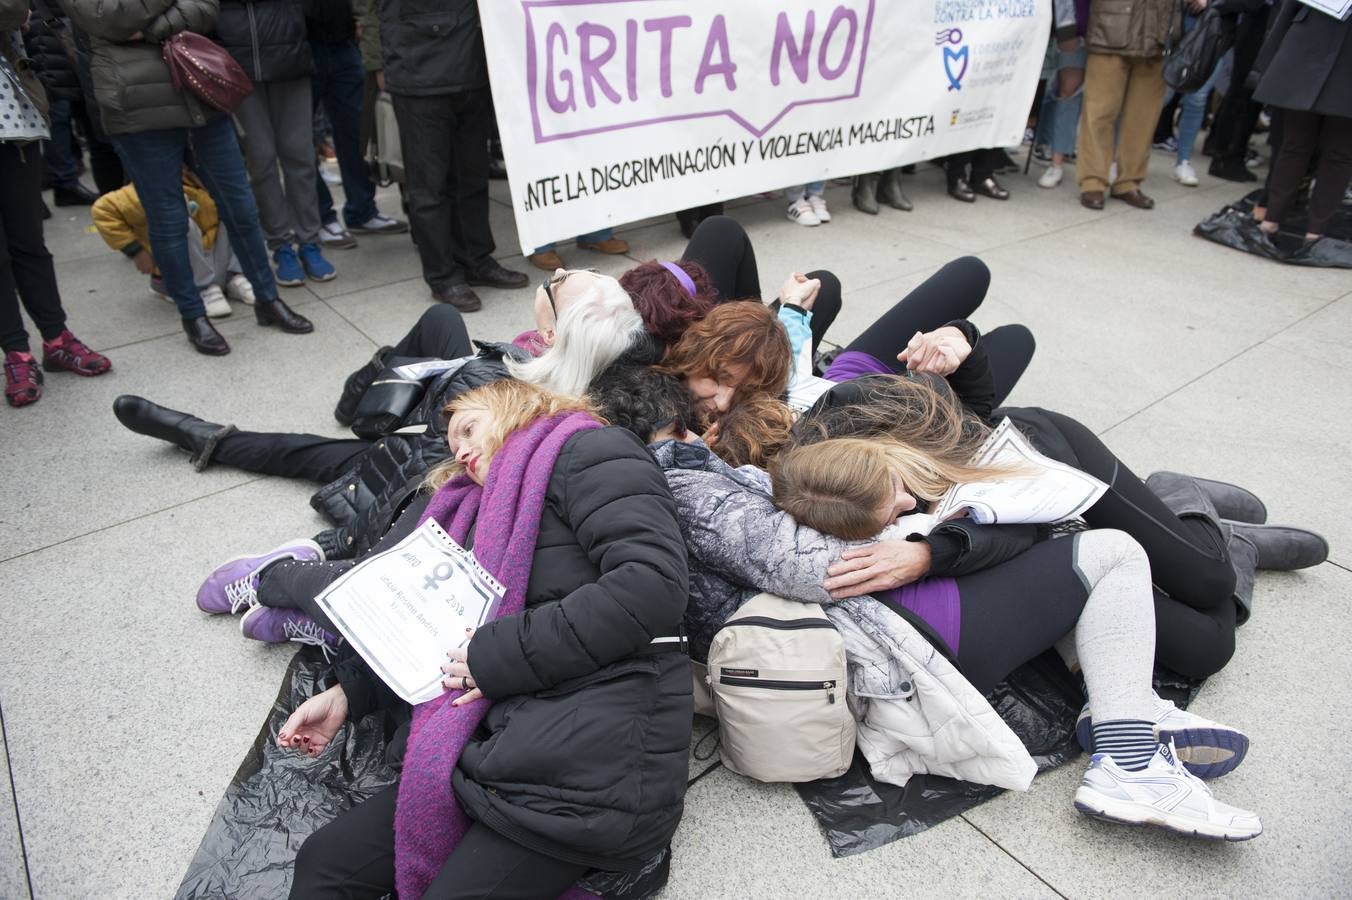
column 580, row 761
column 1089, row 595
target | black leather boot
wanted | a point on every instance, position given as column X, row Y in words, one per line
column 356, row 386
column 275, row 312
column 1231, row 501
column 890, row 192
column 864, row 194
column 204, row 336
column 181, row 429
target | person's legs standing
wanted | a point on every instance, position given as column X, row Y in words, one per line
column 1331, row 177
column 26, row 270
column 62, row 168
column 425, row 130
column 473, row 235
column 1105, row 86
column 343, row 80
column 289, row 103
column 265, row 177
column 202, row 260
column 1193, row 113
column 154, row 160
column 1140, row 109
column 1300, row 139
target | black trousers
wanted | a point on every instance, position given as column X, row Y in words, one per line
column 1304, row 134
column 353, row 857
column 1238, row 113
column 445, row 143
column 26, row 270
column 721, row 245
column 439, row 333
column 980, row 162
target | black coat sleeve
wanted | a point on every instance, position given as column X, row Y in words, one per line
column 961, row 547
column 616, row 502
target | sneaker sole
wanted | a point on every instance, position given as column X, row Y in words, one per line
column 329, row 277
column 396, row 230
column 1205, row 752
column 1091, row 803
column 234, row 559
column 289, row 283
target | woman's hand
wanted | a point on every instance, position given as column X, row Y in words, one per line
column 799, row 290
column 937, row 352
column 878, row 567
column 458, row 676
column 314, row 723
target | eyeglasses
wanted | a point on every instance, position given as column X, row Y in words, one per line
column 554, row 281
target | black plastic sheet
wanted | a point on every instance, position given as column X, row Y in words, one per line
column 1233, row 227
column 1040, row 701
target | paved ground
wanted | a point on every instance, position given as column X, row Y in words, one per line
column 126, row 710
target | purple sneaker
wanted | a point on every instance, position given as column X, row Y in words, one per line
column 234, row 584
column 274, row 625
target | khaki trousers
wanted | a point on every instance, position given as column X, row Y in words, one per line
column 1125, row 88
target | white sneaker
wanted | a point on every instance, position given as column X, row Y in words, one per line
column 1051, row 177
column 1112, row 172
column 217, row 306
column 1207, row 749
column 335, row 235
column 238, row 288
column 1185, row 174
column 1164, row 794
column 330, row 175
column 800, row 211
column 818, row 204
column 381, row 224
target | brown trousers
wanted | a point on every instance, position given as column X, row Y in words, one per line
column 1122, row 94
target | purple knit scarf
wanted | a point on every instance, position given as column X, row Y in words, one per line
column 428, row 823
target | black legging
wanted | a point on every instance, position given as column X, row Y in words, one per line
column 1304, row 134
column 439, row 333
column 720, row 244
column 353, row 857
column 26, row 270
column 953, row 292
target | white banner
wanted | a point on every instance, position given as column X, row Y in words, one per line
column 615, row 110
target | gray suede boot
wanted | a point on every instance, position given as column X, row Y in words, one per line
column 1282, row 547
column 1231, row 501
column 864, row 195
column 890, row 192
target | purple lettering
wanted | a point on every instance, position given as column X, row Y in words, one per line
column 665, row 27
column 784, row 42
column 590, row 65
column 566, row 103
column 631, row 58
column 840, row 14
column 717, row 40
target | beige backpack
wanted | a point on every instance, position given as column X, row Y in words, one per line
column 776, row 674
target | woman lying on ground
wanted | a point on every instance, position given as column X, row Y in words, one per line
column 579, row 762
column 995, row 597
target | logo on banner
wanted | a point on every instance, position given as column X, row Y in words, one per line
column 955, row 61
column 596, row 66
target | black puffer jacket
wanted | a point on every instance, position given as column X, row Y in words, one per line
column 267, row 38
column 583, row 754
column 432, row 47
column 365, row 501
column 131, row 81
column 51, row 47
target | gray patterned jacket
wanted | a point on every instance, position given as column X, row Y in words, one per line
column 915, row 711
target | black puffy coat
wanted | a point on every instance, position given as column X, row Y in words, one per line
column 1307, row 62
column 582, row 756
column 432, row 47
column 367, row 498
column 267, row 38
column 51, row 47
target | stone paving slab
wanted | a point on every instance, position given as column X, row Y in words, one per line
column 1185, row 354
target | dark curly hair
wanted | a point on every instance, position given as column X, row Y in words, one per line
column 642, row 400
column 666, row 308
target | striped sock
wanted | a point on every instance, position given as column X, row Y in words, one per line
column 1128, row 742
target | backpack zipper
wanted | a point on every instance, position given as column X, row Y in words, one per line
column 779, row 624
column 775, row 684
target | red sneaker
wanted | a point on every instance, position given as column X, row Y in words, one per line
column 70, row 354
column 23, row 381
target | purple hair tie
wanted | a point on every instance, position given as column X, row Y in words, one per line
column 683, row 278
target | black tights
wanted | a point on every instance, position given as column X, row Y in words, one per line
column 353, row 857
column 720, row 244
column 26, row 270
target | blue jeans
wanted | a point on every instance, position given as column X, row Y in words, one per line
column 1059, row 120
column 595, row 237
column 154, row 160
column 1192, row 108
column 62, row 168
column 338, row 83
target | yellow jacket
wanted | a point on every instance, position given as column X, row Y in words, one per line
column 121, row 220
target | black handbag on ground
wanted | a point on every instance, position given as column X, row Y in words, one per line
column 1196, row 56
column 389, row 400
